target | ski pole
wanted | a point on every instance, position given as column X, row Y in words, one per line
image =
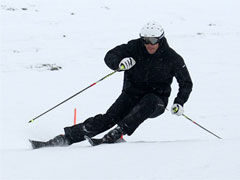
column 201, row 126
column 74, row 95
column 196, row 123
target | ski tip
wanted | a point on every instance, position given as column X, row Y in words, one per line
column 31, row 141
column 94, row 142
column 36, row 144
column 32, row 144
column 86, row 137
column 89, row 140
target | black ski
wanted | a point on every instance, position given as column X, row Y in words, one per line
column 60, row 141
column 95, row 142
column 38, row 144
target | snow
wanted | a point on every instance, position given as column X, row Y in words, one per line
column 75, row 35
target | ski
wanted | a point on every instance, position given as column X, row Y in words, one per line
column 93, row 141
column 38, row 144
column 96, row 142
column 60, row 141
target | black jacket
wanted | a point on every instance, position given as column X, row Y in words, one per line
column 152, row 73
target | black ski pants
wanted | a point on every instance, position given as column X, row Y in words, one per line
column 128, row 111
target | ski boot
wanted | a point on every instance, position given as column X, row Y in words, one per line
column 114, row 136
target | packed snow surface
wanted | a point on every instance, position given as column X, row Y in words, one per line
column 50, row 50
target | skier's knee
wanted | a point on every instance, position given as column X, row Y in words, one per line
column 155, row 103
column 159, row 109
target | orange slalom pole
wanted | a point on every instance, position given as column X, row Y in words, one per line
column 75, row 116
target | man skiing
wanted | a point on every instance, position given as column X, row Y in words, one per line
column 149, row 65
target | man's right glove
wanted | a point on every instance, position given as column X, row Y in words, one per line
column 126, row 64
column 177, row 109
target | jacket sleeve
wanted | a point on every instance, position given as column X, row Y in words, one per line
column 115, row 55
column 184, row 80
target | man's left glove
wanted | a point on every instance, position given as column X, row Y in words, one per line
column 177, row 109
column 126, row 64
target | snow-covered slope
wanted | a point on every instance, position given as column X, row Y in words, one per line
column 50, row 50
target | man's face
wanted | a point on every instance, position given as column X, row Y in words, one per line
column 151, row 49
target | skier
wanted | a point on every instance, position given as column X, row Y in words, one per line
column 149, row 65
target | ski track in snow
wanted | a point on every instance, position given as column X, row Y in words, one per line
column 51, row 50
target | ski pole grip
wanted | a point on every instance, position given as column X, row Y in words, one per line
column 122, row 67
column 175, row 109
column 30, row 121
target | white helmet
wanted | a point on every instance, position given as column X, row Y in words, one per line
column 152, row 29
